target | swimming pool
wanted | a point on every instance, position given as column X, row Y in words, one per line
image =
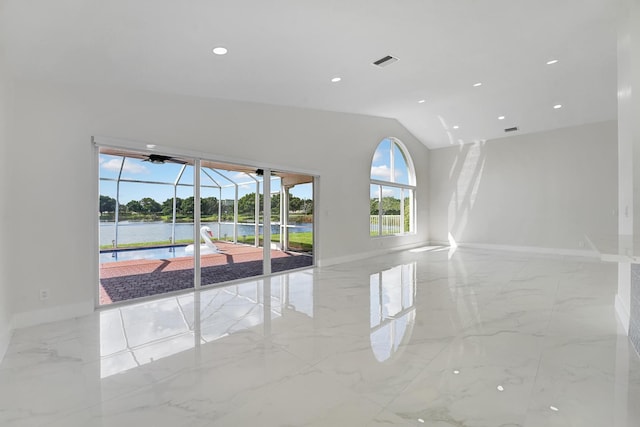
column 165, row 252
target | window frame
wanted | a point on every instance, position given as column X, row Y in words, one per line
column 381, row 183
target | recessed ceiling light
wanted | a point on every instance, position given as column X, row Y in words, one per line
column 220, row 50
column 336, row 79
column 477, row 84
column 422, row 101
column 553, row 408
column 151, row 146
column 500, row 117
column 557, row 106
column 456, row 372
column 551, row 62
column 456, row 127
column 500, row 388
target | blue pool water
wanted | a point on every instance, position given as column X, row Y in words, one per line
column 152, row 253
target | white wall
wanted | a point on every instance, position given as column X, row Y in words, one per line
column 545, row 190
column 627, row 298
column 51, row 179
column 5, row 314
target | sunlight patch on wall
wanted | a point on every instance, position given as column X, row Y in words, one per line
column 466, row 188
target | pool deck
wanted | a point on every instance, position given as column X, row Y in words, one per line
column 125, row 280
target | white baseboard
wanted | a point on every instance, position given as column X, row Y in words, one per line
column 584, row 253
column 52, row 314
column 624, row 315
column 362, row 255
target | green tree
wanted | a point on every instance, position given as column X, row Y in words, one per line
column 390, row 205
column 226, row 207
column 407, row 213
column 373, row 209
column 150, row 206
column 167, row 206
column 134, row 206
column 209, row 206
column 295, row 204
column 275, row 205
column 186, row 207
column 307, row 206
column 247, row 204
column 107, row 204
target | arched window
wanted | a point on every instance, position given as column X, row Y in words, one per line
column 392, row 193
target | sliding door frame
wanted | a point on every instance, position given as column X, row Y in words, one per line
column 197, row 157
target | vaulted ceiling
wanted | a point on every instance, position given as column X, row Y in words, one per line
column 286, row 52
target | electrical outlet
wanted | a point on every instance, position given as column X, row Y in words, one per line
column 44, row 294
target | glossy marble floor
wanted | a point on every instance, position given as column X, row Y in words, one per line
column 425, row 337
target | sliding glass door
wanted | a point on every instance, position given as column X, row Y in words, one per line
column 146, row 225
column 173, row 223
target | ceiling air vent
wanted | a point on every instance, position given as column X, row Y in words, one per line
column 387, row 60
column 513, row 129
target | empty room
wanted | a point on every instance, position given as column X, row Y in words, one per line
column 184, row 235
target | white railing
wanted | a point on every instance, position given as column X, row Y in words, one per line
column 391, row 224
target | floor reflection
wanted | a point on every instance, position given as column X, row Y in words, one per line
column 135, row 335
column 393, row 312
column 484, row 338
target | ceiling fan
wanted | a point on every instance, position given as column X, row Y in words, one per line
column 159, row 159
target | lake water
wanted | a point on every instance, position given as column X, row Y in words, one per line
column 137, row 232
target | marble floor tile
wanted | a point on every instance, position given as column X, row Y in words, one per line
column 431, row 337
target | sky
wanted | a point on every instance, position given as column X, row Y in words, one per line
column 381, row 168
column 140, row 170
column 135, row 169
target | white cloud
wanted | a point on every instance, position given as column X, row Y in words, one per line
column 242, row 178
column 376, row 156
column 114, row 166
column 383, row 172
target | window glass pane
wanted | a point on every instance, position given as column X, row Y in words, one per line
column 143, row 253
column 141, row 170
column 374, row 226
column 381, row 164
column 109, row 166
column 300, row 218
column 275, row 203
column 401, row 168
column 227, row 213
column 391, row 218
column 235, row 253
column 394, row 203
column 408, row 211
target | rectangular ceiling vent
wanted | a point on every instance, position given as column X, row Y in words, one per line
column 387, row 60
column 513, row 129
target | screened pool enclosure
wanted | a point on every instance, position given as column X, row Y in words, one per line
column 176, row 217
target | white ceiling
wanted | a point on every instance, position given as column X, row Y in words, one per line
column 285, row 52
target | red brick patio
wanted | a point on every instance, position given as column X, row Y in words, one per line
column 124, row 280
